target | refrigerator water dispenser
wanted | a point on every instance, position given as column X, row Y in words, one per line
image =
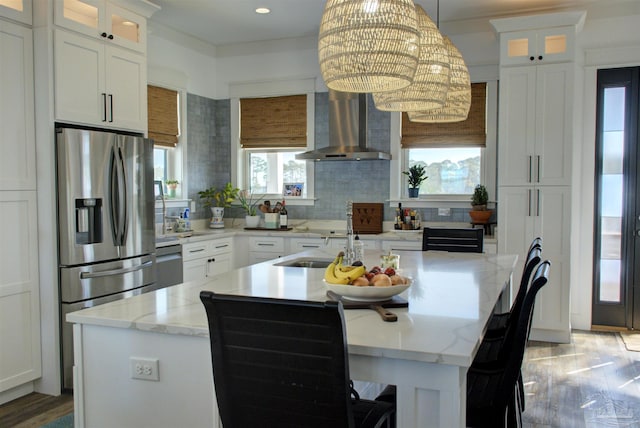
column 88, row 221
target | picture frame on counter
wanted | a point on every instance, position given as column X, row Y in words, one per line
column 293, row 189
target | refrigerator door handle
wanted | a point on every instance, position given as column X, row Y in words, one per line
column 119, row 209
column 89, row 275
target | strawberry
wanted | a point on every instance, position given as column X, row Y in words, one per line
column 390, row 271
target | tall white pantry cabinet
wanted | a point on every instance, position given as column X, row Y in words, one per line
column 535, row 143
column 20, row 347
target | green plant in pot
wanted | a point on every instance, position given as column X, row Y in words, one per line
column 172, row 185
column 479, row 199
column 415, row 176
column 218, row 200
column 250, row 206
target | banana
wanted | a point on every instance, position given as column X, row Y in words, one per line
column 329, row 273
column 348, row 272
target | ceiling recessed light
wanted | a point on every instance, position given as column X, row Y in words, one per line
column 263, row 10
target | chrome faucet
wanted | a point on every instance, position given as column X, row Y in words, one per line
column 349, row 254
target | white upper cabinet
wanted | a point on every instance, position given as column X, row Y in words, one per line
column 538, row 39
column 536, row 125
column 537, row 46
column 17, row 134
column 18, row 10
column 98, row 84
column 103, row 20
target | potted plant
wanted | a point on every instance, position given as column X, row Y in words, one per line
column 172, row 185
column 252, row 219
column 415, row 176
column 479, row 199
column 218, row 200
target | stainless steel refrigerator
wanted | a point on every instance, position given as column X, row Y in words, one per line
column 106, row 235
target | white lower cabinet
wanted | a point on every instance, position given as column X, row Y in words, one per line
column 262, row 248
column 401, row 245
column 545, row 211
column 205, row 259
column 19, row 290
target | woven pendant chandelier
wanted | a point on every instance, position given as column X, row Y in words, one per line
column 458, row 102
column 431, row 82
column 368, row 45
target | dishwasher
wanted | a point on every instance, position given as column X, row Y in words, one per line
column 168, row 266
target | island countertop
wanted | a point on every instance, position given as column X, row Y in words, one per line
column 450, row 300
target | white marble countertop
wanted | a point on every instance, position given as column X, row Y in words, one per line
column 449, row 304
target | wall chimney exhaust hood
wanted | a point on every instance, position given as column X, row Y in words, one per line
column 347, row 130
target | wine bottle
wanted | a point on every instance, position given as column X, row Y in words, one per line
column 284, row 218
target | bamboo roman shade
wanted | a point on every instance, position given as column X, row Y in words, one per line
column 273, row 122
column 162, row 105
column 468, row 133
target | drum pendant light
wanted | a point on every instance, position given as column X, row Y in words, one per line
column 431, row 82
column 458, row 101
column 368, row 45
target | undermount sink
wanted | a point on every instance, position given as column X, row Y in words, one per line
column 306, row 262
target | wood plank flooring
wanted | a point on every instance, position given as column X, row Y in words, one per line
column 593, row 382
column 34, row 410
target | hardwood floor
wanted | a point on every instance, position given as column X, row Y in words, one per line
column 35, row 410
column 592, row 382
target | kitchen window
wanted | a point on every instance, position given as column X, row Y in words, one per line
column 457, row 156
column 274, row 123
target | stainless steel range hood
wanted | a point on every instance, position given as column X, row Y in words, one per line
column 347, row 130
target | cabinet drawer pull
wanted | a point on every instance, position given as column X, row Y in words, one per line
column 111, row 107
column 310, row 246
column 199, row 250
column 265, row 244
column 222, row 246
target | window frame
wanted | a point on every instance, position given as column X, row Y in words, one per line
column 239, row 156
column 488, row 162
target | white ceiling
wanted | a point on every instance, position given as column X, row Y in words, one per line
column 222, row 22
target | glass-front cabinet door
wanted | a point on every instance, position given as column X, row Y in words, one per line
column 19, row 10
column 537, row 47
column 102, row 20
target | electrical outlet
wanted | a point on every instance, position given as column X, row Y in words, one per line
column 444, row 211
column 144, row 368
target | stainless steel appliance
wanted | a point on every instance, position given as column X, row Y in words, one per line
column 106, row 235
column 169, row 265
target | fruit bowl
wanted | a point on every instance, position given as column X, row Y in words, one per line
column 366, row 293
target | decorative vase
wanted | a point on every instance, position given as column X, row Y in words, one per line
column 252, row 221
column 172, row 192
column 480, row 216
column 413, row 192
column 217, row 219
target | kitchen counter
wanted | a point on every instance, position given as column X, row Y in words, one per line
column 426, row 352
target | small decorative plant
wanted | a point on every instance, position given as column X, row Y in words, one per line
column 245, row 197
column 416, row 175
column 172, row 184
column 480, row 198
column 219, row 197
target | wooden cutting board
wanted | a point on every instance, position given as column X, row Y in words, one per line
column 367, row 218
column 380, row 306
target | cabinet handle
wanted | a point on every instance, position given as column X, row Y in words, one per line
column 196, row 251
column 111, row 107
column 538, row 169
column 531, row 58
column 211, row 260
column 265, row 245
column 530, row 168
column 104, row 105
column 540, row 58
column 310, row 246
column 529, row 202
column 110, row 37
column 103, row 34
column 538, row 203
column 222, row 246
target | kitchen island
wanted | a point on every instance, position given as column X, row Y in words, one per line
column 425, row 353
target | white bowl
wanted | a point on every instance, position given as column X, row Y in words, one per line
column 368, row 293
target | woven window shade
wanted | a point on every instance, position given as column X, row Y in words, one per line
column 162, row 105
column 274, row 122
column 468, row 133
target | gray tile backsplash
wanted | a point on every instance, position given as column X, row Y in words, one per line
column 209, row 163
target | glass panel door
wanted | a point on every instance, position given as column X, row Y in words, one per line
column 615, row 258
